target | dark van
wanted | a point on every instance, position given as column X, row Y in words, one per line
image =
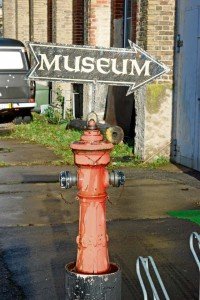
column 17, row 95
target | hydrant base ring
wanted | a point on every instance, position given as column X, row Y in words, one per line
column 92, row 286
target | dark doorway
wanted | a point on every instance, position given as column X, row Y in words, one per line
column 121, row 111
column 78, row 100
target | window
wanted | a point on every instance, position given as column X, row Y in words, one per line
column 127, row 22
column 11, row 60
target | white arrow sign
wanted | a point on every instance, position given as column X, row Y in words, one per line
column 82, row 64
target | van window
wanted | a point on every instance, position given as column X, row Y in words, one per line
column 11, row 60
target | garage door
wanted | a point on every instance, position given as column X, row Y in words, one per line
column 186, row 118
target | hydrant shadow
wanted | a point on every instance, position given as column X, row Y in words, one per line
column 8, row 281
column 59, row 213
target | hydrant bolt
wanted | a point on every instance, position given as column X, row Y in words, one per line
column 67, row 180
column 116, row 178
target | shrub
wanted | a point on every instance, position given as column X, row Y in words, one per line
column 53, row 115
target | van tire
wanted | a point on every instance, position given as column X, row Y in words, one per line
column 17, row 120
column 27, row 119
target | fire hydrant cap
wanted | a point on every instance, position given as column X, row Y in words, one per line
column 92, row 124
column 92, row 139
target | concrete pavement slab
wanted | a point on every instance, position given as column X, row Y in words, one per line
column 47, row 204
column 18, row 152
column 36, row 256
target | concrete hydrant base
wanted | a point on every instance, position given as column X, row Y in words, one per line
column 93, row 287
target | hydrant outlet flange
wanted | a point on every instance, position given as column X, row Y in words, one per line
column 116, row 178
column 67, row 180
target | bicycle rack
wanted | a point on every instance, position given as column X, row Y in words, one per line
column 195, row 235
column 145, row 261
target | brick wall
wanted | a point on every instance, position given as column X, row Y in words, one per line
column 155, row 32
column 39, row 20
column 22, row 20
column 78, row 22
column 62, row 21
column 9, row 18
column 62, row 33
column 99, row 18
column 160, row 34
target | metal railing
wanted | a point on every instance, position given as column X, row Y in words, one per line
column 145, row 262
column 195, row 236
column 196, row 257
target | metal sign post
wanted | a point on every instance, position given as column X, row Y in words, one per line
column 94, row 89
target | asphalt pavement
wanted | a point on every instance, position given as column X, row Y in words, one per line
column 39, row 224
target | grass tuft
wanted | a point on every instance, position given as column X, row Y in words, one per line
column 158, row 161
column 3, row 164
column 57, row 138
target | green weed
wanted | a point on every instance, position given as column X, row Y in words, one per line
column 3, row 164
column 159, row 161
column 57, row 138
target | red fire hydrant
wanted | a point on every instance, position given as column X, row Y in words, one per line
column 92, row 155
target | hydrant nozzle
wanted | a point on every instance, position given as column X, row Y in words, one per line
column 116, row 178
column 67, row 180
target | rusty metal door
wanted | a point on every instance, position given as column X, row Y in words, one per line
column 186, row 118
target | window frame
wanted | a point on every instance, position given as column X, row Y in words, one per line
column 125, row 21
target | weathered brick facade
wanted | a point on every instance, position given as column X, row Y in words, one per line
column 38, row 22
column 63, row 34
column 99, row 18
column 62, row 21
column 160, row 32
column 25, row 20
column 155, row 33
column 9, row 19
column 28, row 20
column 155, row 30
column 78, row 22
column 22, row 19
